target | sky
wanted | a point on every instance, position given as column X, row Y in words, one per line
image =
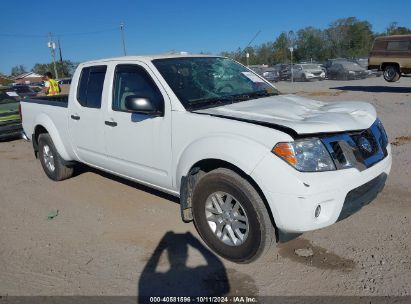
column 90, row 29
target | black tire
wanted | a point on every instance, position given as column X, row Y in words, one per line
column 261, row 232
column 60, row 171
column 304, row 78
column 345, row 76
column 391, row 73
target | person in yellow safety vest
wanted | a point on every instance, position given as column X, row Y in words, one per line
column 51, row 86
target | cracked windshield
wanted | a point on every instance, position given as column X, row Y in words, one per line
column 211, row 81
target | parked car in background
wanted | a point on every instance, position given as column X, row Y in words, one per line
column 64, row 85
column 269, row 73
column 24, row 90
column 10, row 122
column 64, row 81
column 307, row 72
column 346, row 70
column 284, row 71
column 329, row 62
column 392, row 55
column 363, row 62
column 37, row 86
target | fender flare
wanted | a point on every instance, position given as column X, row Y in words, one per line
column 241, row 152
column 45, row 121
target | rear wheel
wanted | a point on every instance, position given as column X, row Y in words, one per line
column 304, row 77
column 231, row 216
column 51, row 161
column 391, row 73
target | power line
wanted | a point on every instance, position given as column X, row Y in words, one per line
column 23, row 36
column 88, row 33
column 255, row 36
column 18, row 35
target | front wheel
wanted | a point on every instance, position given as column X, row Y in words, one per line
column 231, row 216
column 391, row 73
column 51, row 161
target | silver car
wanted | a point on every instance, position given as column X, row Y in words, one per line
column 308, row 71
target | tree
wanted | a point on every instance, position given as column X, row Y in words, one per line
column 65, row 68
column 349, row 37
column 311, row 45
column 345, row 37
column 264, row 54
column 394, row 29
column 18, row 70
column 280, row 49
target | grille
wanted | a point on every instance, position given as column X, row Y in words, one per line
column 338, row 152
column 358, row 149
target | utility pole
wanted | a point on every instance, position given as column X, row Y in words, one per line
column 122, row 37
column 292, row 72
column 52, row 46
column 247, row 55
column 61, row 56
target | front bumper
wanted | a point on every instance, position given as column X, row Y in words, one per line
column 293, row 196
column 356, row 76
column 10, row 129
column 314, row 77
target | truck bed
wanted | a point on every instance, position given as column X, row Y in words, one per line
column 51, row 112
column 57, row 101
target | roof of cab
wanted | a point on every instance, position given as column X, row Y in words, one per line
column 149, row 57
column 394, row 38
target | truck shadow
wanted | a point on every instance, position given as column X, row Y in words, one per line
column 81, row 169
column 374, row 89
column 179, row 279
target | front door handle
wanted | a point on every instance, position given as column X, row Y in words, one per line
column 111, row 123
column 75, row 117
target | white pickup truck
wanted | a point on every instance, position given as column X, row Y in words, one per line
column 248, row 164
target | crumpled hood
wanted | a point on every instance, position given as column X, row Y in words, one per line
column 303, row 115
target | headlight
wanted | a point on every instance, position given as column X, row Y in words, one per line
column 351, row 72
column 308, row 155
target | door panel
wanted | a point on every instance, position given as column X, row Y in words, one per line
column 86, row 118
column 139, row 145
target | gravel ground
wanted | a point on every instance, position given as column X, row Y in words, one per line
column 114, row 237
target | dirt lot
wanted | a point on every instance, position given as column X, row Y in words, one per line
column 114, row 237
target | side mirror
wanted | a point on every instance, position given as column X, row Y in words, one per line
column 143, row 105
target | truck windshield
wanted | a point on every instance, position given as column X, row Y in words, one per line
column 203, row 82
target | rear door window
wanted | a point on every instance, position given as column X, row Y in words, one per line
column 90, row 89
column 398, row 46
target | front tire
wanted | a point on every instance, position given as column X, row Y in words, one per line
column 231, row 216
column 391, row 73
column 51, row 161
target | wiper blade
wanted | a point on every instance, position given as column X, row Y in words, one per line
column 252, row 95
column 209, row 102
column 263, row 93
column 217, row 101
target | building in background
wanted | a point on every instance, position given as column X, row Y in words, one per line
column 27, row 78
column 4, row 80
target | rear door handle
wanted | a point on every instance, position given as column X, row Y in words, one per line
column 111, row 123
column 75, row 117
